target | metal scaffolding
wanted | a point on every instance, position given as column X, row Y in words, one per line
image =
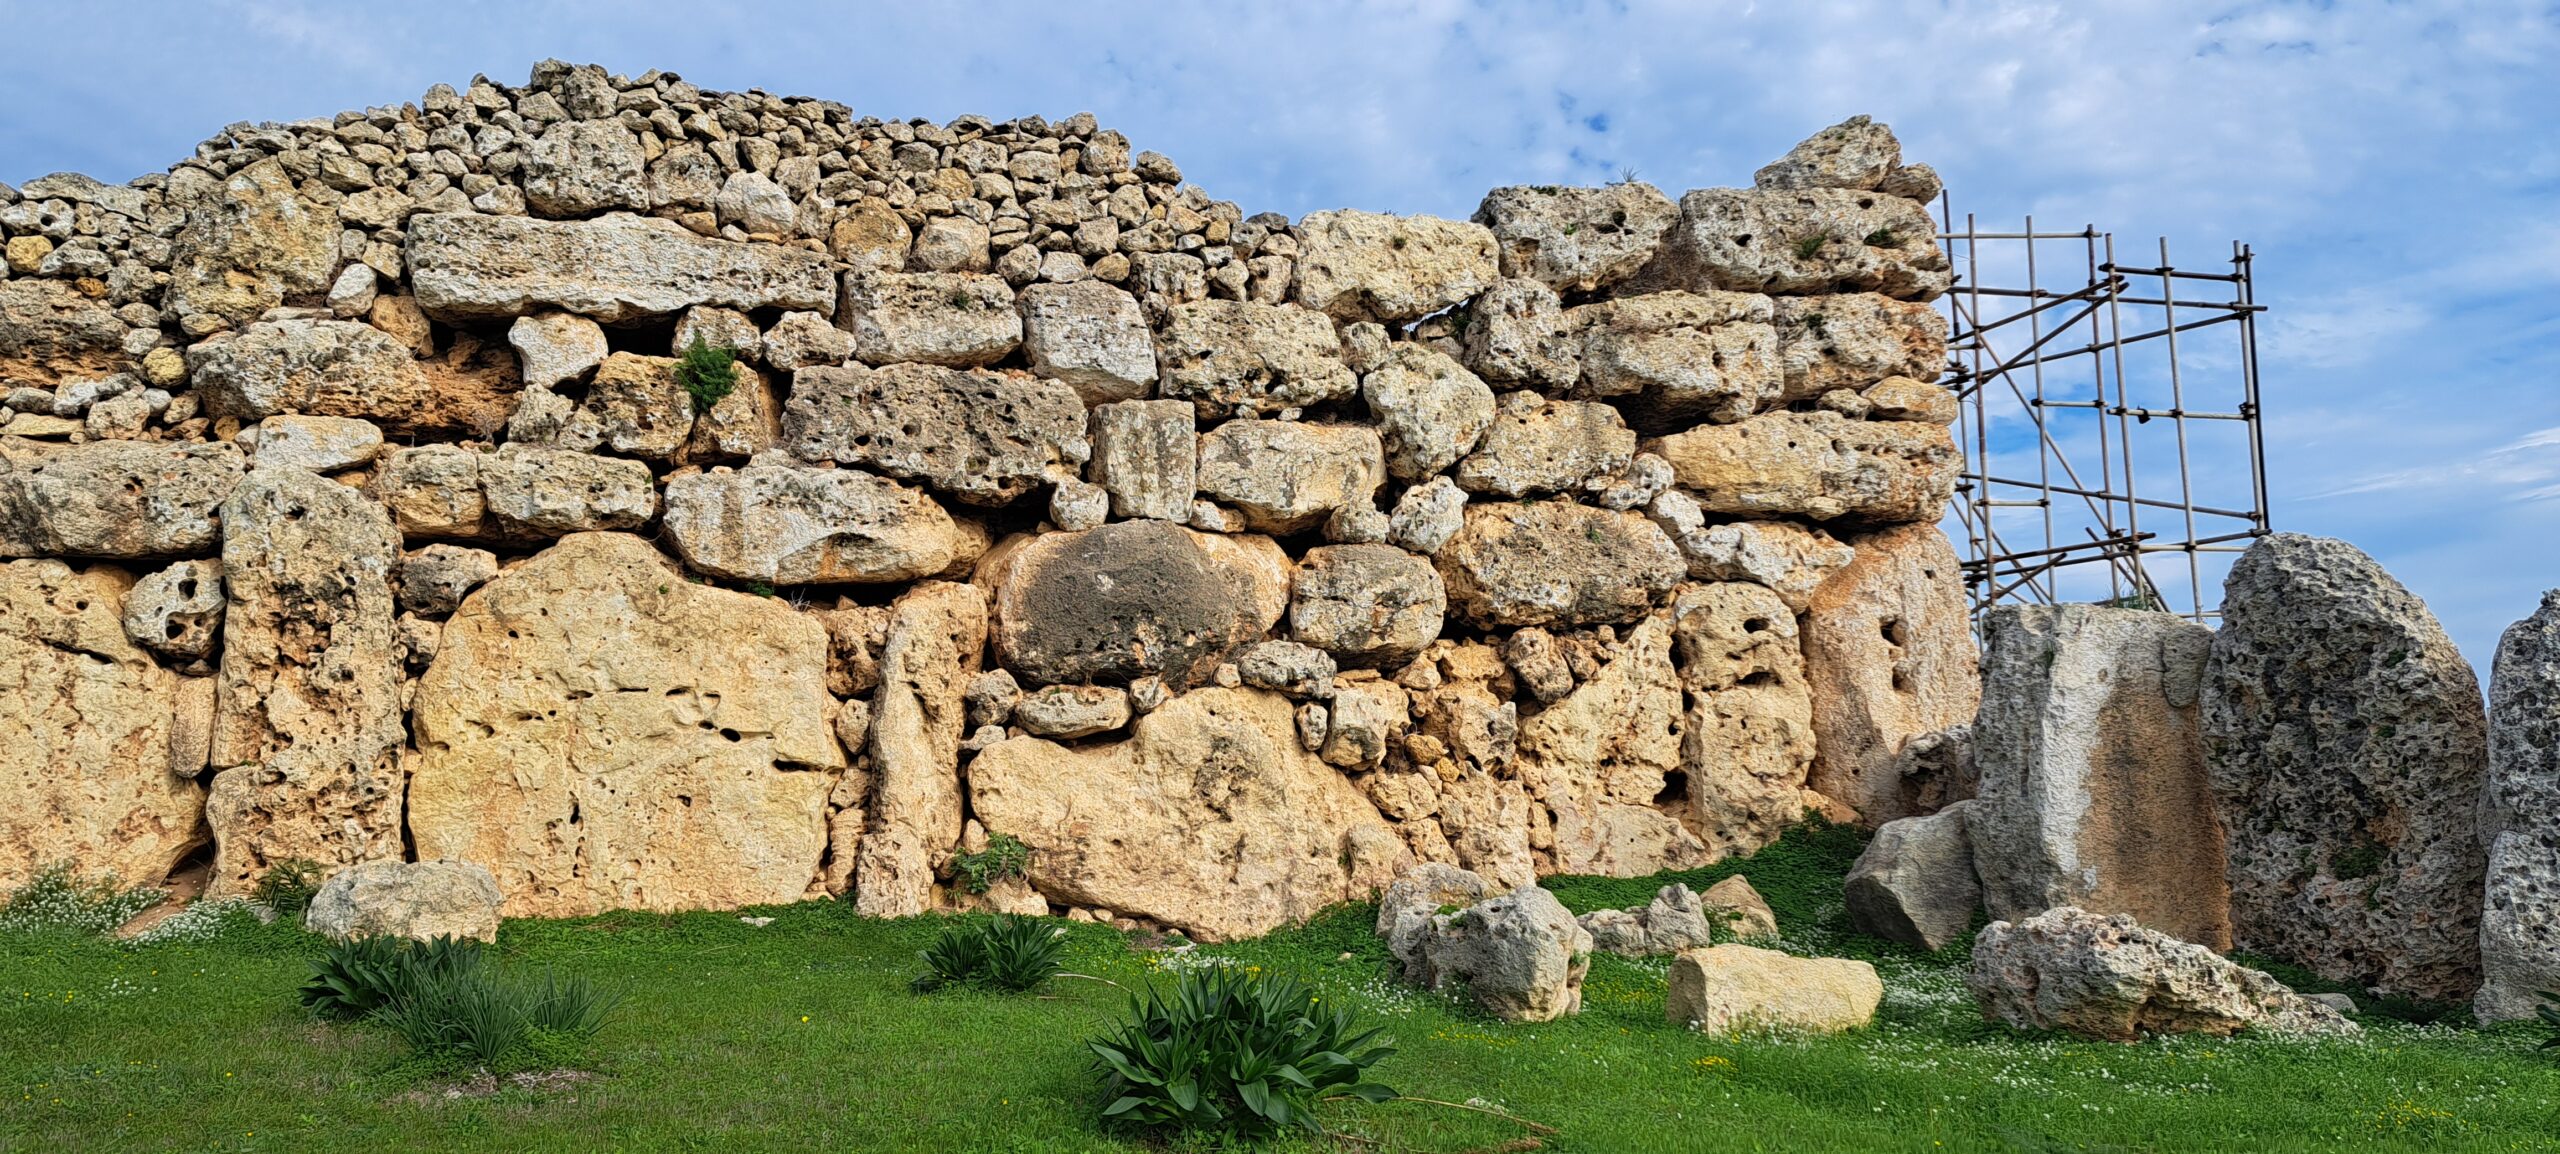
column 2110, row 420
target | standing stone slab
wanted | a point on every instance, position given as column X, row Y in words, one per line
column 2346, row 741
column 1890, row 658
column 2093, row 790
column 307, row 723
column 936, row 633
column 2520, row 814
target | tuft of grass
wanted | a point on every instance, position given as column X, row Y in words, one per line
column 1883, row 238
column 707, row 371
column 1811, row 246
column 289, row 886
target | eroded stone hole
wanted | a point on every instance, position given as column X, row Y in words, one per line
column 1675, row 788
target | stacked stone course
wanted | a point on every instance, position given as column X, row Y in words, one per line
column 1233, row 564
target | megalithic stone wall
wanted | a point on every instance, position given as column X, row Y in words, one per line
column 1231, row 563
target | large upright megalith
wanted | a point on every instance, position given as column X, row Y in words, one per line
column 2346, row 742
column 2520, row 820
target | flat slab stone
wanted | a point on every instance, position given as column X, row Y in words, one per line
column 616, row 268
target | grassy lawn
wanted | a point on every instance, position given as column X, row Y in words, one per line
column 801, row 1035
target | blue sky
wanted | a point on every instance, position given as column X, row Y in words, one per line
column 2394, row 164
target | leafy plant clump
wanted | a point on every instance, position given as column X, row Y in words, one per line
column 707, row 371
column 289, row 886
column 1235, row 1053
column 1007, row 953
column 57, row 899
column 1807, row 248
column 358, row 977
column 1004, row 857
column 1884, row 238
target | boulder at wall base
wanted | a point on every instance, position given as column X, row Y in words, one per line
column 2346, row 742
column 1724, row 989
column 1210, row 818
column 307, row 727
column 85, row 734
column 2520, row 922
column 604, row 734
column 420, row 900
column 1890, row 656
column 2093, row 790
column 2109, row 978
column 1915, row 882
column 1418, row 895
column 1521, row 956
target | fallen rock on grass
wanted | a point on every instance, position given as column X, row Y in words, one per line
column 1721, row 989
column 2109, row 978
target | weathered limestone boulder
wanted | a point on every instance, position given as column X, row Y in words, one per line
column 1521, row 955
column 1355, row 265
column 1679, row 358
column 871, row 237
column 556, row 348
column 2093, row 790
column 603, row 734
column 248, row 242
column 1239, row 358
column 399, row 899
column 984, row 438
column 1536, row 446
column 1427, row 516
column 805, row 341
column 1211, row 818
column 47, row 330
column 1890, row 657
column 2347, row 742
column 1130, row 599
column 1740, row 909
column 1674, row 921
column 1730, row 988
column 616, row 269
column 2109, row 978
column 1904, row 399
column 1818, row 465
column 1791, row 560
column 939, row 318
column 1747, row 739
column 1418, row 895
column 1367, row 604
column 85, row 731
column 320, row 444
column 2520, row 821
column 116, row 499
column 1146, row 454
column 532, row 492
column 742, row 424
column 790, row 526
column 434, row 580
column 1288, row 476
column 1517, row 335
column 1368, row 715
column 1288, row 667
column 433, row 491
column 581, row 167
column 1091, row 336
column 1807, row 240
column 176, row 612
column 1430, row 410
column 319, row 367
column 1065, row 712
column 753, row 202
column 914, row 816
column 1556, row 563
column 1915, row 883
column 1604, row 760
column 307, row 725
column 1576, row 240
column 1853, row 340
column 635, row 407
column 1855, row 153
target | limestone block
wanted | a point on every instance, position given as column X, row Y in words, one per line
column 1211, row 818
column 1147, row 456
column 1429, row 410
column 1853, row 340
column 603, row 734
column 1367, row 604
column 936, row 632
column 616, row 269
column 1889, row 653
column 320, row 444
column 248, row 241
column 2347, row 743
column 792, row 526
column 1356, row 265
column 2093, row 790
column 1235, row 357
column 1536, row 446
column 1730, row 988
column 418, row 900
column 984, row 438
column 1577, row 240
column 2109, row 978
column 1091, row 336
column 1131, row 599
column 940, row 318
column 116, row 499
column 1679, row 358
column 1288, row 476
column 1556, row 563
column 2520, row 820
column 1915, row 883
column 177, row 612
column 1819, row 465
column 1521, row 956
column 1806, row 240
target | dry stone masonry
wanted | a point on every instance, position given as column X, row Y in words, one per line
column 356, row 508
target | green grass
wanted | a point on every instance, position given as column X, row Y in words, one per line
column 801, row 1035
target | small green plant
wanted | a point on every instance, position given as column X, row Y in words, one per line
column 1884, row 238
column 1809, row 247
column 707, row 371
column 1004, row 857
column 359, row 977
column 2548, row 1013
column 57, row 899
column 289, row 885
column 1235, row 1053
column 1007, row 953
column 1813, row 323
column 760, row 588
column 498, row 1021
column 1625, row 176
